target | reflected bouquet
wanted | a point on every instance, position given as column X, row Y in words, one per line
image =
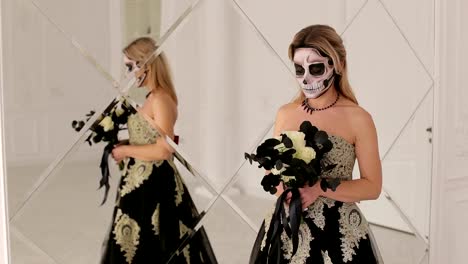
column 106, row 129
column 295, row 159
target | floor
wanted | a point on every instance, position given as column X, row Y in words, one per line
column 63, row 222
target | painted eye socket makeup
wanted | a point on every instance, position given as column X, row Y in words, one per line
column 315, row 69
column 299, row 70
column 129, row 67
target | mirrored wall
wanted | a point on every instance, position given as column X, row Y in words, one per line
column 230, row 68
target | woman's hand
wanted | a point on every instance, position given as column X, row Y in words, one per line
column 310, row 194
column 119, row 153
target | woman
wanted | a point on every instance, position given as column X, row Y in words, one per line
column 333, row 229
column 153, row 210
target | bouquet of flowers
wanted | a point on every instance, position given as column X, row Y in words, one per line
column 106, row 129
column 295, row 159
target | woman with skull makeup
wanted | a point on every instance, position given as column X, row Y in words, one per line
column 154, row 212
column 333, row 229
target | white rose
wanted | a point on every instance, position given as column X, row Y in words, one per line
column 281, row 147
column 277, row 172
column 119, row 110
column 306, row 154
column 107, row 123
column 297, row 138
column 286, row 179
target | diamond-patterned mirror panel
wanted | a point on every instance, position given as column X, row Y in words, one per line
column 383, row 69
column 230, row 237
column 215, row 90
column 48, row 84
column 95, row 27
column 417, row 26
column 397, row 246
column 66, row 205
column 23, row 250
column 407, row 168
column 64, row 218
column 237, row 52
column 283, row 19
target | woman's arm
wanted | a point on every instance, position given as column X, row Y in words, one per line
column 164, row 116
column 150, row 152
column 369, row 186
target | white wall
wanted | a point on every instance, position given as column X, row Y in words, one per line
column 390, row 61
column 450, row 183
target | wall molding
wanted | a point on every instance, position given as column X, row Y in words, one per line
column 447, row 180
column 4, row 230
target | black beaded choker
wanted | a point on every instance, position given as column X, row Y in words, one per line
column 309, row 109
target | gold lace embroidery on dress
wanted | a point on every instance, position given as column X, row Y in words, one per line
column 353, row 227
column 315, row 211
column 140, row 131
column 136, row 175
column 179, row 185
column 183, row 230
column 344, row 156
column 303, row 249
column 127, row 234
column 326, row 258
column 155, row 220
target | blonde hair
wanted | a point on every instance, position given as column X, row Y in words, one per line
column 329, row 44
column 141, row 50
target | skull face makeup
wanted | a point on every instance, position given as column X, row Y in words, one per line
column 132, row 67
column 314, row 72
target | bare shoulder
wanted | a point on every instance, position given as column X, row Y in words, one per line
column 162, row 104
column 360, row 116
column 287, row 109
column 362, row 122
column 162, row 100
column 354, row 112
column 282, row 115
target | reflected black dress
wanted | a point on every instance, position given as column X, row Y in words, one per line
column 153, row 211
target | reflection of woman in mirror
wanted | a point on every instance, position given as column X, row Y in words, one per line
column 153, row 208
column 333, row 229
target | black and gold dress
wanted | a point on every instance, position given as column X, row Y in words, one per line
column 331, row 232
column 153, row 211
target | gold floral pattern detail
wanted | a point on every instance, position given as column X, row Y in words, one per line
column 140, row 131
column 353, row 227
column 155, row 220
column 179, row 184
column 136, row 175
column 315, row 211
column 186, row 252
column 303, row 249
column 183, row 230
column 326, row 258
column 344, row 156
column 127, row 234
